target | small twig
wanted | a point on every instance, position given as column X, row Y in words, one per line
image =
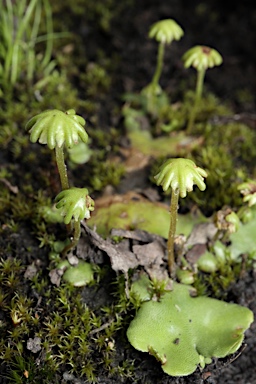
column 11, row 187
column 102, row 327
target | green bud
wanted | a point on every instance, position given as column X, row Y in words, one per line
column 74, row 203
column 185, row 276
column 207, row 263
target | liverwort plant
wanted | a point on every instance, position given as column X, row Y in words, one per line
column 61, row 130
column 179, row 174
column 201, row 58
column 75, row 204
column 248, row 190
column 164, row 32
column 58, row 129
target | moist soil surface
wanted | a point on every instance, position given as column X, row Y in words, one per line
column 227, row 26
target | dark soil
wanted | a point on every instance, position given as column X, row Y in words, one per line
column 227, row 26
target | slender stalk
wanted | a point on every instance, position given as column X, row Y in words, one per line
column 76, row 237
column 62, row 167
column 159, row 64
column 198, row 95
column 77, row 233
column 172, row 230
column 199, row 85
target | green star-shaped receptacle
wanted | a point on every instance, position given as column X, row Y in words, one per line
column 201, row 57
column 165, row 31
column 181, row 174
column 56, row 128
column 74, row 203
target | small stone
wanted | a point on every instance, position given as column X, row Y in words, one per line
column 34, row 345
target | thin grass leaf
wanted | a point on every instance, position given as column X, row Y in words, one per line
column 14, row 63
column 49, row 30
column 30, row 51
column 8, row 22
column 31, row 64
column 24, row 20
column 50, row 67
column 36, row 24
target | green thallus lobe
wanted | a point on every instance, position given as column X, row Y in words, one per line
column 185, row 332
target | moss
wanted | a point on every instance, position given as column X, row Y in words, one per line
column 218, row 282
column 83, row 78
column 93, row 12
column 71, row 325
column 106, row 173
column 170, row 116
column 95, row 80
column 238, row 140
column 228, row 155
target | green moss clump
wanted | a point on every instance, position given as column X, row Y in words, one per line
column 106, row 173
column 44, row 343
column 228, row 155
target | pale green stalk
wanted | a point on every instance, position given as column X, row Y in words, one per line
column 198, row 96
column 172, row 230
column 76, row 226
column 60, row 160
column 62, row 167
column 159, row 65
column 199, row 85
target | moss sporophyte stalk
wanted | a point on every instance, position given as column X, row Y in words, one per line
column 61, row 130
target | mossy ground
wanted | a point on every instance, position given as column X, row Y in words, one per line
column 107, row 55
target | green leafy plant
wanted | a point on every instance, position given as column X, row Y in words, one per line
column 180, row 175
column 185, row 332
column 201, row 58
column 75, row 205
column 58, row 130
column 164, row 32
column 248, row 190
column 153, row 102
